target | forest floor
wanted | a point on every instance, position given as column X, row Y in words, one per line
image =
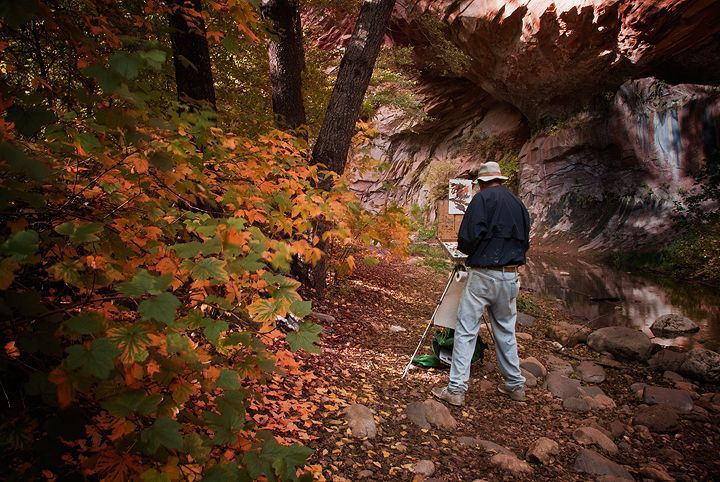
column 377, row 316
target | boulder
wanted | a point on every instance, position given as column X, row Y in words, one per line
column 591, row 372
column 680, row 400
column 701, row 364
column 593, row 436
column 543, row 451
column 638, row 390
column 673, row 325
column 561, row 386
column 667, row 359
column 590, row 462
column 601, row 402
column 622, row 342
column 673, row 377
column 523, row 336
column 430, row 413
column 511, row 464
column 658, row 418
column 655, row 471
column 568, row 334
column 492, row 447
column 617, row 429
column 534, row 366
column 360, row 420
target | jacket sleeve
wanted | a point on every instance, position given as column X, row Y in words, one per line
column 473, row 227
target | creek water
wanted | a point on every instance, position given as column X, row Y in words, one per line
column 599, row 295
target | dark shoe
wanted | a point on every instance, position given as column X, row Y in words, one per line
column 518, row 394
column 457, row 399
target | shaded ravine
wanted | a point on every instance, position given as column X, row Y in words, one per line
column 377, row 316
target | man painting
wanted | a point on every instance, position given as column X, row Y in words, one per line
column 494, row 234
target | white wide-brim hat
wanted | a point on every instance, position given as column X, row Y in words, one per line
column 489, row 171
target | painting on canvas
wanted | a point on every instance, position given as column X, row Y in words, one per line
column 460, row 195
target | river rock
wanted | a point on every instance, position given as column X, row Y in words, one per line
column 534, row 366
column 525, row 320
column 638, row 390
column 439, row 415
column 622, row 342
column 397, row 328
column 658, row 418
column 701, row 364
column 591, row 372
column 673, row 325
column 678, row 399
column 591, row 462
column 576, row 404
column 423, row 467
column 617, row 429
column 360, row 420
column 557, row 364
column 511, row 464
column 530, row 380
column 667, row 359
column 523, row 336
column 593, row 436
column 543, row 451
column 568, row 334
column 492, row 447
column 673, row 377
column 322, row 317
column 561, row 386
column 655, row 471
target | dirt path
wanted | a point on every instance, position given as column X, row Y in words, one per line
column 363, row 358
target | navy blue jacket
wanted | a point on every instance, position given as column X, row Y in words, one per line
column 495, row 230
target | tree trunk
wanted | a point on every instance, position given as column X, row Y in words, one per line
column 287, row 61
column 356, row 68
column 338, row 128
column 191, row 57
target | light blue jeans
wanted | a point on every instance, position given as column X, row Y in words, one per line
column 497, row 290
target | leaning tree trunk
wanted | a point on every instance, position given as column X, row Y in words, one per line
column 338, row 128
column 191, row 57
column 356, row 67
column 287, row 61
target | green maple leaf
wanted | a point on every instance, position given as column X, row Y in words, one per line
column 275, row 459
column 305, row 338
column 144, row 282
column 229, row 419
column 228, row 379
column 210, row 269
column 125, row 64
column 80, row 233
column 97, row 361
column 132, row 401
column 20, row 245
column 161, row 308
column 225, row 473
column 301, row 308
column 213, row 329
column 86, row 323
column 165, row 432
column 131, row 340
column 264, row 310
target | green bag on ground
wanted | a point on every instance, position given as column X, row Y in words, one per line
column 442, row 346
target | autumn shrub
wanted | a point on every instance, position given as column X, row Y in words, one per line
column 145, row 252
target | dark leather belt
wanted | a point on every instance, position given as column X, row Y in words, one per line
column 506, row 269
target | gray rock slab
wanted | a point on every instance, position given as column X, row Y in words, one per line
column 561, row 386
column 667, row 359
column 360, row 420
column 673, row 325
column 658, row 418
column 701, row 364
column 534, row 366
column 591, row 372
column 593, row 436
column 543, row 451
column 490, row 446
column 678, row 399
column 556, row 364
column 591, row 462
column 576, row 404
column 621, row 342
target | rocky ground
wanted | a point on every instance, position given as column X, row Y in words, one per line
column 591, row 416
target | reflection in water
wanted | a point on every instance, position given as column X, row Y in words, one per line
column 602, row 296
